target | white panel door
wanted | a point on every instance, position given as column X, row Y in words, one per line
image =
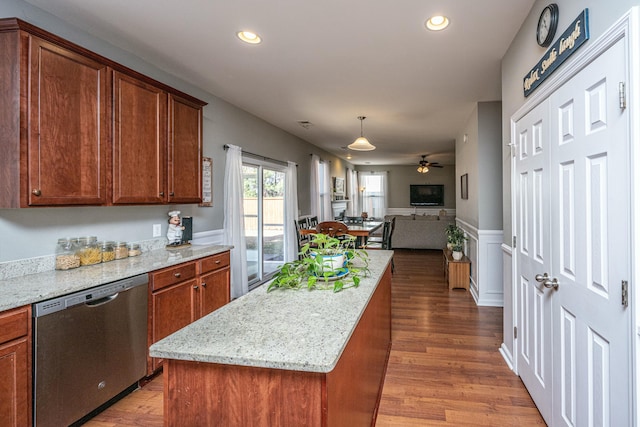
column 591, row 246
column 533, row 248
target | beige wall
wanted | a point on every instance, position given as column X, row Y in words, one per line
column 400, row 177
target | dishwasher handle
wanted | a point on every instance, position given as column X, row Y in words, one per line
column 102, row 301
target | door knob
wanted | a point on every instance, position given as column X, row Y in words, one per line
column 541, row 278
column 551, row 284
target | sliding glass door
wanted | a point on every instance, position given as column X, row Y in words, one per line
column 263, row 218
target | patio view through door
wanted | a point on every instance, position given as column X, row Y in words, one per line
column 263, row 219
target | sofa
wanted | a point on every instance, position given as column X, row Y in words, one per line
column 420, row 231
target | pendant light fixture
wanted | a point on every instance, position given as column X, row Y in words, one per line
column 361, row 144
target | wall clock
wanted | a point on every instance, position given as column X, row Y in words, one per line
column 547, row 25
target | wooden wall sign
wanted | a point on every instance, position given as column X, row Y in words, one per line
column 207, row 190
column 560, row 51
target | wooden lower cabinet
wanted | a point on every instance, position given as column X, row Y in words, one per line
column 15, row 367
column 198, row 393
column 183, row 293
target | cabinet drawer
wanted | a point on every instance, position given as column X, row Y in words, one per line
column 170, row 276
column 214, row 262
column 14, row 323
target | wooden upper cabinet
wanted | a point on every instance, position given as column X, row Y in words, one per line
column 185, row 151
column 139, row 141
column 68, row 124
column 79, row 129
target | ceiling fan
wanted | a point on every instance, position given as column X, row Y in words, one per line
column 424, row 165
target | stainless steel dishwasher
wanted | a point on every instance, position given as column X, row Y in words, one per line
column 89, row 347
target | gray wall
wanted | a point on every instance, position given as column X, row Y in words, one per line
column 32, row 232
column 479, row 158
column 524, row 53
column 400, row 177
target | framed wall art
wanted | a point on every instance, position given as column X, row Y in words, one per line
column 464, row 186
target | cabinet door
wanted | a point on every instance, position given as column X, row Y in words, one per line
column 185, row 151
column 15, row 397
column 68, row 125
column 214, row 291
column 139, row 141
column 172, row 309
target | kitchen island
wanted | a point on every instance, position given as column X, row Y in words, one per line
column 284, row 358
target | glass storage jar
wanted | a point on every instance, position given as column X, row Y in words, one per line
column 107, row 251
column 134, row 249
column 66, row 256
column 121, row 249
column 88, row 250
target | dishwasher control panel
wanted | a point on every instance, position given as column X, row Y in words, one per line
column 88, row 295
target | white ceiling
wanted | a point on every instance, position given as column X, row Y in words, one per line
column 325, row 61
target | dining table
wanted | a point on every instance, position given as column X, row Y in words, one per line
column 361, row 230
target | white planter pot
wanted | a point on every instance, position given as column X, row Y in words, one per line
column 456, row 255
column 332, row 262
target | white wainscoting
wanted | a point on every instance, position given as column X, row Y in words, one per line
column 484, row 249
column 211, row 237
column 420, row 211
column 508, row 320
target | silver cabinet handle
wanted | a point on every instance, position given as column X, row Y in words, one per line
column 177, row 274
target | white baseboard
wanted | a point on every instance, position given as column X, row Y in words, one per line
column 507, row 356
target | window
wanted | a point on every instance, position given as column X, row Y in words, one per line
column 373, row 193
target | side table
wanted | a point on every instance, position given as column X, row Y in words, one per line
column 456, row 273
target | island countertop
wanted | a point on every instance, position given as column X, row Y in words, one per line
column 284, row 329
column 33, row 288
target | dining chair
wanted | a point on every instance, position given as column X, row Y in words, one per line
column 312, row 221
column 383, row 243
column 387, row 232
column 302, row 238
column 332, row 228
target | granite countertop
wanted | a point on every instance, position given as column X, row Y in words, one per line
column 33, row 288
column 295, row 330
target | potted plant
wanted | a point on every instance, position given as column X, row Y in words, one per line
column 324, row 262
column 450, row 230
column 457, row 240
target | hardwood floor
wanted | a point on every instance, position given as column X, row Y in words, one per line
column 444, row 367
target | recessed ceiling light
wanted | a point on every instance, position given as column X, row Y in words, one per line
column 437, row 22
column 249, row 37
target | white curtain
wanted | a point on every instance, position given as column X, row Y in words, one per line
column 374, row 194
column 314, row 186
column 353, row 193
column 290, row 212
column 234, row 221
column 327, row 211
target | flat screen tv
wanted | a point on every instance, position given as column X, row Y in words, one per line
column 426, row 195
